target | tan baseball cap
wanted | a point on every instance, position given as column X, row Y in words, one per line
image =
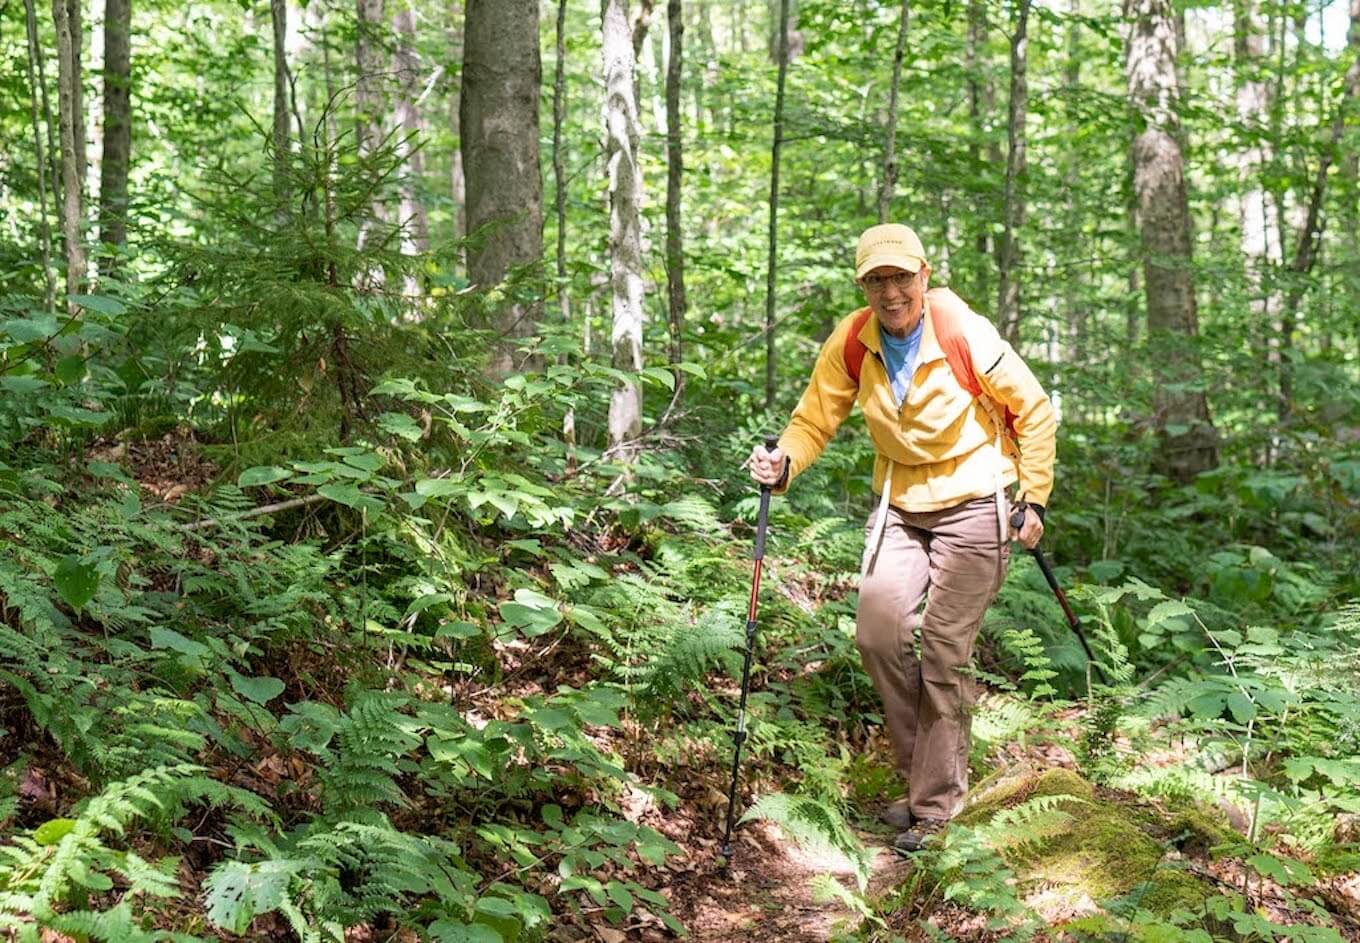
column 889, row 244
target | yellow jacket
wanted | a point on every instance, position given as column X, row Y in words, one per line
column 942, row 442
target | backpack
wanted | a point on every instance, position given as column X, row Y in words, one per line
column 945, row 316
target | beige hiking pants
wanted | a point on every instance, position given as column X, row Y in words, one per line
column 934, row 575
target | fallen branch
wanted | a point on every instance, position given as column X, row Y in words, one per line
column 256, row 512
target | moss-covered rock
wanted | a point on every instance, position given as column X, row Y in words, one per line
column 1062, row 782
column 1102, row 850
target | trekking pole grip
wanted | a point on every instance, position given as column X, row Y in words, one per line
column 771, row 444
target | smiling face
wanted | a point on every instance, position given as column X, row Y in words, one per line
column 897, row 296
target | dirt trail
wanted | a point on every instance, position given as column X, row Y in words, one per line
column 768, row 893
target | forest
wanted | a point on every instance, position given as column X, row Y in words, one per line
column 376, row 536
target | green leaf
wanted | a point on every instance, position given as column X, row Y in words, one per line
column 70, row 370
column 620, row 895
column 440, row 487
column 259, row 690
column 21, row 384
column 262, row 475
column 76, row 582
column 162, row 637
column 457, row 630
column 350, row 496
column 53, row 831
column 496, row 907
column 101, row 303
column 531, row 621
column 664, row 377
column 368, row 461
column 400, row 425
column 1169, row 609
column 1242, row 707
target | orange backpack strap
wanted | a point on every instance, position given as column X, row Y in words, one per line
column 854, row 347
column 946, row 316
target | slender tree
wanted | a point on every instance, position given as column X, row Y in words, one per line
column 76, row 19
column 783, row 46
column 675, row 169
column 415, row 231
column 889, row 181
column 113, row 170
column 1008, row 311
column 625, row 223
column 278, row 16
column 1163, row 212
column 72, row 123
column 44, row 224
column 457, row 184
column 559, row 168
column 498, row 117
column 369, row 104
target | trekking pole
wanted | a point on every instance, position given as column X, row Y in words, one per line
column 1017, row 522
column 739, row 735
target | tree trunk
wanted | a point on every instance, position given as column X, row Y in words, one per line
column 415, row 223
column 498, row 114
column 457, row 184
column 625, row 223
column 72, row 122
column 675, row 169
column 1013, row 207
column 981, row 105
column 1309, row 236
column 77, row 21
column 113, row 176
column 774, row 202
column 1187, row 432
column 44, row 222
column 278, row 15
column 559, row 168
column 368, row 101
column 885, row 192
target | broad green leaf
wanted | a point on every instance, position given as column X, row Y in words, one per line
column 1242, row 707
column 1168, row 609
column 350, row 496
column 400, row 425
column 262, row 475
column 53, row 831
column 76, row 582
column 101, row 303
column 440, row 487
column 23, row 384
column 259, row 690
column 619, row 894
column 496, row 907
column 457, row 630
column 162, row 637
column 70, row 370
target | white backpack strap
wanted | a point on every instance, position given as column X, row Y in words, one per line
column 880, row 523
column 1003, row 530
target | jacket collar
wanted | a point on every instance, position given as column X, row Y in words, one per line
column 930, row 346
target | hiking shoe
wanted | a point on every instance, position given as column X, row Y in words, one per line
column 922, row 833
column 898, row 814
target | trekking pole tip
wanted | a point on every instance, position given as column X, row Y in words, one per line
column 726, row 854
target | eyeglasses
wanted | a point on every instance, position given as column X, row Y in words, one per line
column 877, row 283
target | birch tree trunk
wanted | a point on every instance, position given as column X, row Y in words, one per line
column 498, row 116
column 1008, row 312
column 885, row 192
column 415, row 221
column 278, row 16
column 71, row 121
column 675, row 169
column 117, row 147
column 778, row 144
column 1183, row 421
column 625, row 224
column 981, row 106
